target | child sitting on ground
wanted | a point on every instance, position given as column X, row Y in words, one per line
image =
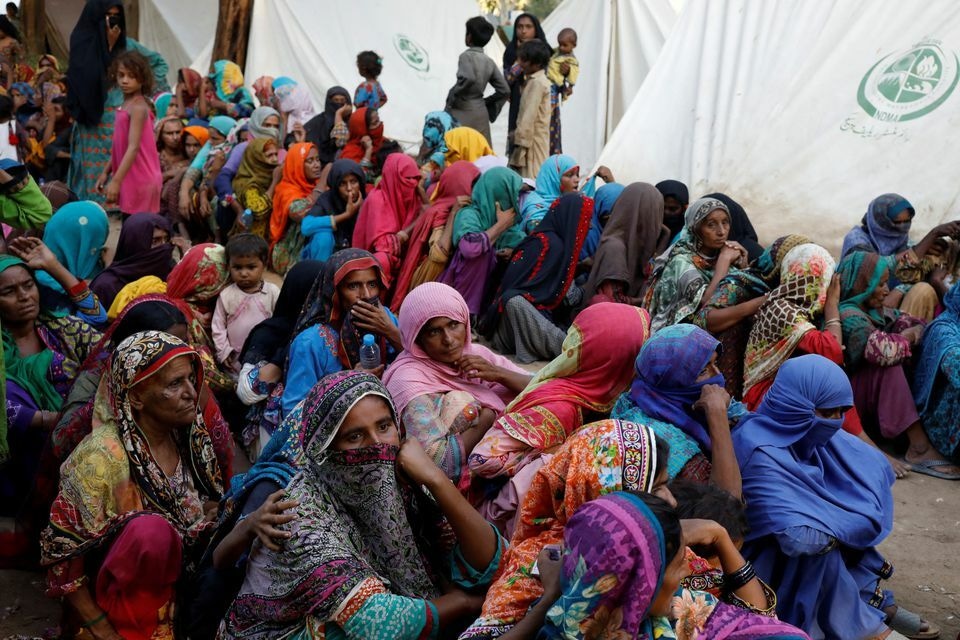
column 248, row 301
column 369, row 93
column 563, row 55
column 531, row 140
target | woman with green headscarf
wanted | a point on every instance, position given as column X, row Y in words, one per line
column 42, row 353
column 224, row 94
column 483, row 231
column 878, row 340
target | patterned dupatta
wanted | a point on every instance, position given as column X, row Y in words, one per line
column 112, row 475
column 788, row 313
column 592, row 369
column 358, row 528
column 599, row 458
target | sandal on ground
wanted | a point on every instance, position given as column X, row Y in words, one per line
column 908, row 623
column 929, row 468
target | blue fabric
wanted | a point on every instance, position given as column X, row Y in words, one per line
column 665, row 386
column 877, row 231
column 435, row 126
column 538, row 202
column 941, row 336
column 282, row 81
column 318, row 230
column 801, row 470
column 278, row 462
column 682, row 446
column 76, row 234
column 602, row 205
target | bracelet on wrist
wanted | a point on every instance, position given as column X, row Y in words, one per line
column 739, row 578
column 93, row 621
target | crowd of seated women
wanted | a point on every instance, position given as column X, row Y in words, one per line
column 478, row 407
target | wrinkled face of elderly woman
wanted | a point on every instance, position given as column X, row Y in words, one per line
column 168, row 397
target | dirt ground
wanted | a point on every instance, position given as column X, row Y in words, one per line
column 923, row 547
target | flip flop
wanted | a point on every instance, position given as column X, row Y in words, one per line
column 908, row 623
column 929, row 468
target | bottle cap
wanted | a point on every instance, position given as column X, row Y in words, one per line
column 368, row 339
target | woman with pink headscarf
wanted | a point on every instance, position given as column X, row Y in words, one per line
column 448, row 390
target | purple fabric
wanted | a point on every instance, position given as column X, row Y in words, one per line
column 135, row 258
column 470, row 268
column 20, row 407
column 883, row 397
column 224, row 182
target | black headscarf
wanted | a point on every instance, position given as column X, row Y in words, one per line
column 740, row 228
column 319, row 127
column 678, row 191
column 330, row 203
column 509, row 57
column 90, row 60
column 270, row 339
column 544, row 263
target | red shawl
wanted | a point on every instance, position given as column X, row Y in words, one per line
column 357, row 125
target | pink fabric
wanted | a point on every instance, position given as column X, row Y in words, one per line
column 414, row 373
column 140, row 189
column 390, row 207
column 135, row 584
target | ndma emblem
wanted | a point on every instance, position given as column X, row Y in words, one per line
column 412, row 53
column 909, row 84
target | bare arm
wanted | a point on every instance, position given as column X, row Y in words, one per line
column 87, row 610
column 138, row 115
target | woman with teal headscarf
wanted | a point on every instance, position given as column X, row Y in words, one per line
column 558, row 175
column 877, row 341
column 68, row 258
column 42, row 354
column 481, row 231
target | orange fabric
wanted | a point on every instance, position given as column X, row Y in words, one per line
column 357, row 126
column 293, row 186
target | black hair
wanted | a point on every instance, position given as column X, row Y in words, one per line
column 152, row 315
column 388, row 147
column 9, row 28
column 669, row 522
column 536, row 52
column 13, row 5
column 6, row 108
column 707, row 502
column 246, row 244
column 480, row 31
column 566, row 31
column 137, row 66
column 369, row 64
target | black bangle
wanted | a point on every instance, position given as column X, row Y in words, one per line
column 739, row 578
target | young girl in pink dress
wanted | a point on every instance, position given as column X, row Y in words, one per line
column 136, row 179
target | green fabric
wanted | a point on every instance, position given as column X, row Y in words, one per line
column 860, row 274
column 498, row 185
column 25, row 209
column 29, row 372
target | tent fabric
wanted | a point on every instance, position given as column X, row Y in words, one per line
column 618, row 42
column 420, row 43
column 179, row 30
column 769, row 102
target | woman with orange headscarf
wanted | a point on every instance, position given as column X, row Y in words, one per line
column 292, row 198
column 383, row 225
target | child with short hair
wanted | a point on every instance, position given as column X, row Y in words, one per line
column 134, row 159
column 531, row 140
column 561, row 83
column 475, row 71
column 247, row 302
column 369, row 93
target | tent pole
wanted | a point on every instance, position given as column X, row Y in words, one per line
column 31, row 16
column 233, row 31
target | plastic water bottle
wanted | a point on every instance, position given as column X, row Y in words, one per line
column 247, row 218
column 369, row 352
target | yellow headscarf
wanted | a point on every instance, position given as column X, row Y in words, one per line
column 132, row 291
column 464, row 143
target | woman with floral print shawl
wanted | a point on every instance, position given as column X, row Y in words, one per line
column 686, row 275
column 367, row 550
column 130, row 516
column 622, row 587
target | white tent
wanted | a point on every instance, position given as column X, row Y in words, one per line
column 316, row 42
column 802, row 111
column 180, row 30
column 618, row 42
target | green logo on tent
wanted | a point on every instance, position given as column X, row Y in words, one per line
column 411, row 52
column 909, row 84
